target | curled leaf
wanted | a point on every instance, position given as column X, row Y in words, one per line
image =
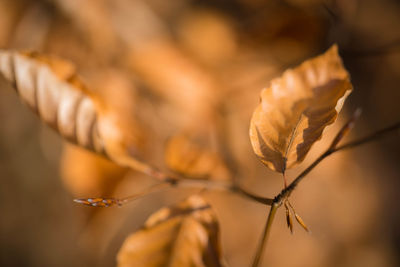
column 51, row 87
column 296, row 108
column 183, row 235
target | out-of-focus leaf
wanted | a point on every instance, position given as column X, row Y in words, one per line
column 185, row 156
column 183, row 235
column 51, row 87
column 194, row 94
column 88, row 174
column 295, row 109
column 92, row 18
column 197, row 28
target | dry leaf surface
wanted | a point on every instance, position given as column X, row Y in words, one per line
column 186, row 156
column 183, row 235
column 87, row 174
column 51, row 87
column 295, row 109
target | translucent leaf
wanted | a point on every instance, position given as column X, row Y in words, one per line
column 295, row 109
column 51, row 87
column 87, row 174
column 183, row 235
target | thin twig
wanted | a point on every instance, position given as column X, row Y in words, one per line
column 244, row 193
column 149, row 190
column 174, row 181
column 285, row 193
column 369, row 138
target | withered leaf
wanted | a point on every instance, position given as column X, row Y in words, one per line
column 183, row 235
column 88, row 174
column 186, row 156
column 51, row 87
column 295, row 109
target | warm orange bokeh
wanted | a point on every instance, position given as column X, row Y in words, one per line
column 167, row 69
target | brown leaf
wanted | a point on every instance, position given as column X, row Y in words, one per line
column 183, row 235
column 186, row 156
column 51, row 87
column 197, row 27
column 87, row 174
column 296, row 108
column 194, row 94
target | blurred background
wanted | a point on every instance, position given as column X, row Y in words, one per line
column 194, row 70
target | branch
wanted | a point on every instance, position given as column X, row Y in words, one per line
column 267, row 229
column 285, row 193
column 172, row 181
column 332, row 149
column 369, row 138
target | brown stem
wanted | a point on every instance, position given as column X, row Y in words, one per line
column 244, row 193
column 369, row 138
column 332, row 149
column 265, row 235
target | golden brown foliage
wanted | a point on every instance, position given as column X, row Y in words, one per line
column 153, row 69
column 296, row 108
column 186, row 156
column 51, row 88
column 87, row 174
column 186, row 234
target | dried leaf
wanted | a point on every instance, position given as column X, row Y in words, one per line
column 51, row 87
column 296, row 108
column 198, row 27
column 193, row 94
column 183, row 235
column 185, row 156
column 87, row 174
column 92, row 18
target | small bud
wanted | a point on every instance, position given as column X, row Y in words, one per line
column 301, row 222
column 289, row 220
